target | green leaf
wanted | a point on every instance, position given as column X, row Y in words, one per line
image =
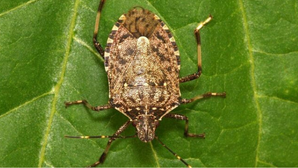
column 249, row 50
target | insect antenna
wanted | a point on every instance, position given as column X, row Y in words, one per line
column 177, row 156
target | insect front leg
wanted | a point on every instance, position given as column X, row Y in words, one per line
column 183, row 117
column 94, row 108
column 95, row 42
column 177, row 156
column 198, row 39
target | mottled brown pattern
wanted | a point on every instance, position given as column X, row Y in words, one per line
column 140, row 22
column 142, row 82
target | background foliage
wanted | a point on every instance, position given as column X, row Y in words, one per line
column 249, row 50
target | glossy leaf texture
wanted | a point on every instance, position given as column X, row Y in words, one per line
column 249, row 50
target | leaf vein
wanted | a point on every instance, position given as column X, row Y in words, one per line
column 154, row 154
column 80, row 41
column 269, row 164
column 17, row 7
column 277, row 98
column 26, row 103
column 275, row 54
column 253, row 81
column 59, row 84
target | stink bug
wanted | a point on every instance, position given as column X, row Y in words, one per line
column 142, row 62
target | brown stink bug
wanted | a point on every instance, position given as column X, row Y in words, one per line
column 142, row 62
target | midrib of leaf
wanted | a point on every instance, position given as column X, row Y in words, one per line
column 58, row 86
column 253, row 81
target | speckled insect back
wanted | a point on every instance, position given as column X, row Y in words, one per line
column 142, row 62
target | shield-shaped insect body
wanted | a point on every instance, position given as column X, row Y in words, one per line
column 142, row 63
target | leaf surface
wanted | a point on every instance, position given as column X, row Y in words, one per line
column 249, row 50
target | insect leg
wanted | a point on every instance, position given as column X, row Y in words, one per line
column 104, row 154
column 183, row 117
column 177, row 156
column 198, row 38
column 100, row 136
column 94, row 108
column 95, row 42
column 205, row 95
